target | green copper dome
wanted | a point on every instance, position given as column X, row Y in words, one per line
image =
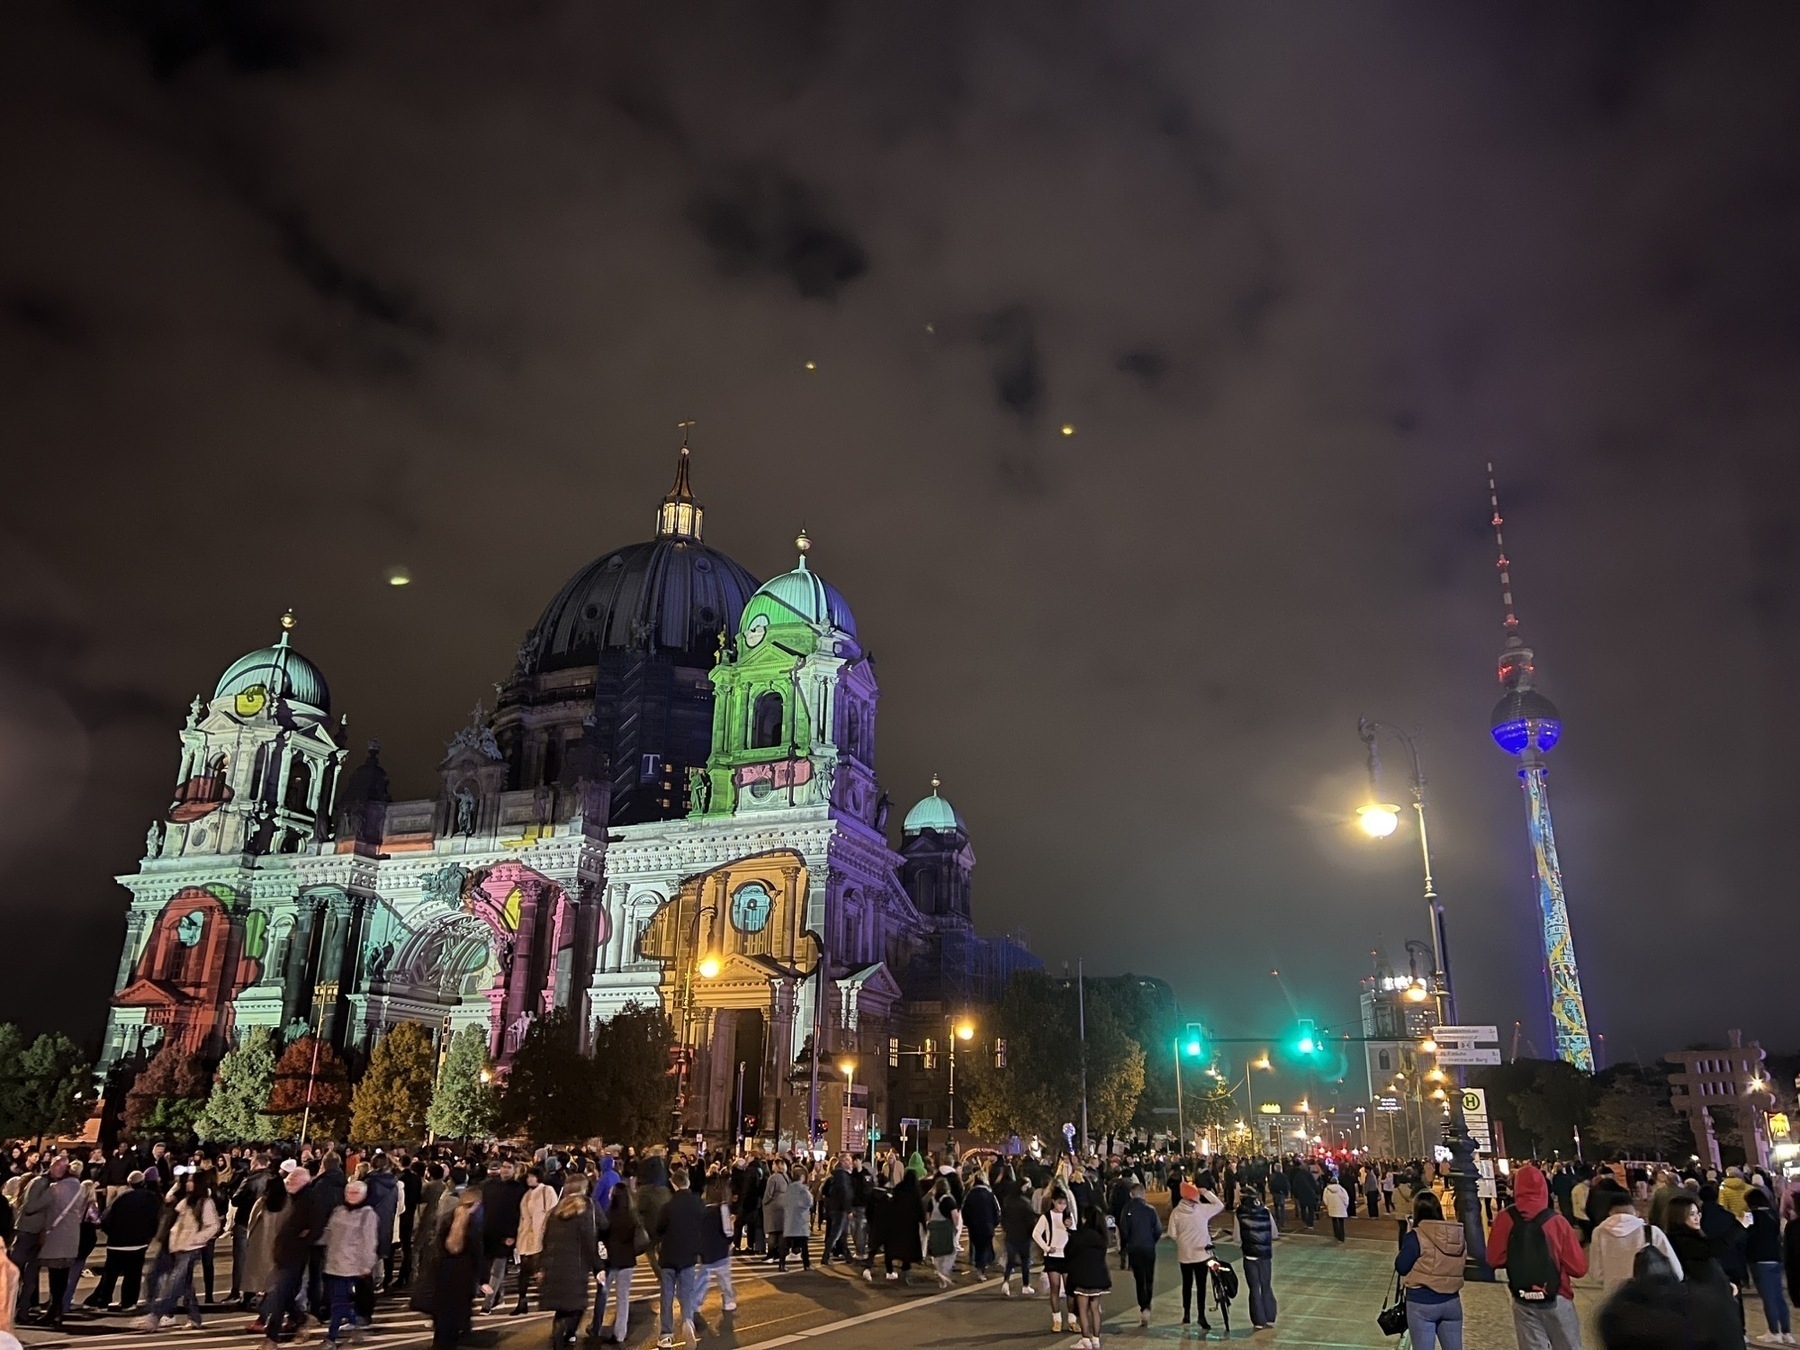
column 934, row 813
column 274, row 672
column 803, row 594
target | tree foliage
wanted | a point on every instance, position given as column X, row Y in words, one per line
column 391, row 1104
column 235, row 1109
column 636, row 1094
column 43, row 1085
column 463, row 1106
column 1040, row 1088
column 1633, row 1117
column 329, row 1086
column 1540, row 1104
column 167, row 1097
column 551, row 1089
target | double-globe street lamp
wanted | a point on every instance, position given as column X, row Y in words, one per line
column 707, row 966
column 1379, row 820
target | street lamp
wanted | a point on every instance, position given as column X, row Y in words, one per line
column 849, row 1068
column 960, row 1030
column 707, row 967
column 1463, row 1175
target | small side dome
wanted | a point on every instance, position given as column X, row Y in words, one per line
column 933, row 813
column 279, row 672
column 805, row 595
column 1523, row 715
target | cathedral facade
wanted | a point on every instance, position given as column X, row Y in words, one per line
column 673, row 803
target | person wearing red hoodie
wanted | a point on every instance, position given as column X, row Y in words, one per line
column 1543, row 1318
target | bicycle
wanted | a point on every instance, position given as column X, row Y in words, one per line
column 1224, row 1283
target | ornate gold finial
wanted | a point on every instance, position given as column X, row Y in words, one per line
column 682, row 426
column 287, row 620
column 936, row 783
column 802, row 541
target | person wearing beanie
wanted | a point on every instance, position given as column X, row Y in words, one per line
column 1190, row 1227
column 130, row 1225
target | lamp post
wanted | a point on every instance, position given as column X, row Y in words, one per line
column 707, row 966
column 1180, row 1114
column 1379, row 820
column 960, row 1030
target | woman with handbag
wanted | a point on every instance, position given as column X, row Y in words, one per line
column 1430, row 1267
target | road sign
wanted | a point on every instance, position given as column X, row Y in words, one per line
column 1467, row 1054
column 1442, row 1034
column 1388, row 1104
column 1475, row 1120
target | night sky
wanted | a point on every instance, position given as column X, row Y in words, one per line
column 292, row 294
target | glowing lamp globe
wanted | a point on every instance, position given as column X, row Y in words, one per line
column 965, row 1032
column 709, row 967
column 1525, row 716
column 1379, row 819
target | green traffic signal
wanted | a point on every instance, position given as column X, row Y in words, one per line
column 1193, row 1043
column 1307, row 1042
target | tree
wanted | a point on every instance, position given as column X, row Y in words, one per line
column 551, row 1089
column 235, row 1110
column 43, row 1086
column 1633, row 1117
column 167, row 1097
column 463, row 1106
column 394, row 1098
column 631, row 1068
column 328, row 1084
column 1040, row 1088
column 1554, row 1108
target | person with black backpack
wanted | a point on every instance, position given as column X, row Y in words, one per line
column 1542, row 1254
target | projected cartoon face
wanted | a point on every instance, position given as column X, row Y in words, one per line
column 251, row 700
column 189, row 927
column 751, row 906
column 756, row 630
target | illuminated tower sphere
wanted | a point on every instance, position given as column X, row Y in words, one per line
column 1527, row 725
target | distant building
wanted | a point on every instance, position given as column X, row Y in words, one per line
column 1733, row 1078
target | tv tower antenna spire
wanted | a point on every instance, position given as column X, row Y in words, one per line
column 1527, row 725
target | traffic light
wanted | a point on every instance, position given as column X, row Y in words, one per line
column 1306, row 1039
column 1193, row 1041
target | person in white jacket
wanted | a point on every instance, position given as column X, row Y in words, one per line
column 195, row 1224
column 1190, row 1226
column 1617, row 1240
column 1337, row 1207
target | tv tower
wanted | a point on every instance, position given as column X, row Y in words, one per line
column 1527, row 724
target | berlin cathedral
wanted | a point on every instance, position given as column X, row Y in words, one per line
column 674, row 802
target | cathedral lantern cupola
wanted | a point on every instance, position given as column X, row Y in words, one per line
column 939, row 865
column 680, row 515
column 793, row 705
column 259, row 760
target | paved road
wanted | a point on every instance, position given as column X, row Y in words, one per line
column 1328, row 1295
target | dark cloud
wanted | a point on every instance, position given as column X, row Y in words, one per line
column 759, row 220
column 1146, row 365
column 249, row 37
column 303, row 292
column 1010, row 335
column 45, row 316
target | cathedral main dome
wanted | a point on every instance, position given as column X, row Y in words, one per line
column 671, row 594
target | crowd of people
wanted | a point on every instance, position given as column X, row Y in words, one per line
column 315, row 1234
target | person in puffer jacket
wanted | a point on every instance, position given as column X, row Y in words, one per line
column 352, row 1253
column 1256, row 1234
column 196, row 1222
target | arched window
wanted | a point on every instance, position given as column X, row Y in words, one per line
column 1387, row 1061
column 553, row 758
column 259, row 772
column 299, row 785
column 765, row 721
